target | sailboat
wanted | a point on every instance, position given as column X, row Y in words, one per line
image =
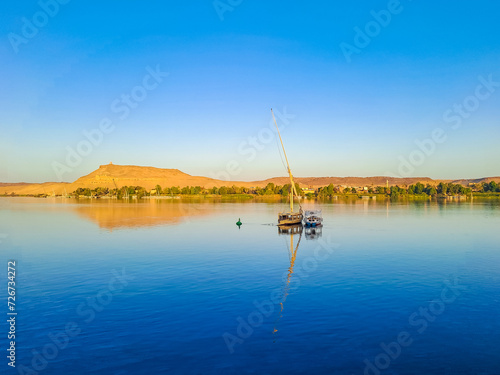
column 291, row 217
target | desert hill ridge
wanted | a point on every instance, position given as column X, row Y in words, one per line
column 112, row 175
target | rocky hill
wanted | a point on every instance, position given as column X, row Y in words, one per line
column 111, row 176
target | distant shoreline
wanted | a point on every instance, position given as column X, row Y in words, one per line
column 271, row 190
column 112, row 176
column 274, row 197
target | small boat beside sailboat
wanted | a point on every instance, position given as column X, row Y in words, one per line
column 313, row 218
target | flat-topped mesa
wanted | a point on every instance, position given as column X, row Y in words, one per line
column 112, row 176
column 132, row 172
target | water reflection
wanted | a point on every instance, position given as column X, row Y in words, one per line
column 290, row 230
column 122, row 214
column 313, row 233
column 115, row 215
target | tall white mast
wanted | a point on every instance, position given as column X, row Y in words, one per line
column 292, row 184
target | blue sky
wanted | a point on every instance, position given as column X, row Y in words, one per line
column 350, row 118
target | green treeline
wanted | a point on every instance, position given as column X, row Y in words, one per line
column 443, row 189
column 419, row 189
column 139, row 191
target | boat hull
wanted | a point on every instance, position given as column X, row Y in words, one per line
column 313, row 224
column 290, row 218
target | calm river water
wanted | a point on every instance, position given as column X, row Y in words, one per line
column 172, row 287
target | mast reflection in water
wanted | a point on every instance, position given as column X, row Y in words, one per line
column 290, row 230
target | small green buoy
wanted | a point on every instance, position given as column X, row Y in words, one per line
column 238, row 223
